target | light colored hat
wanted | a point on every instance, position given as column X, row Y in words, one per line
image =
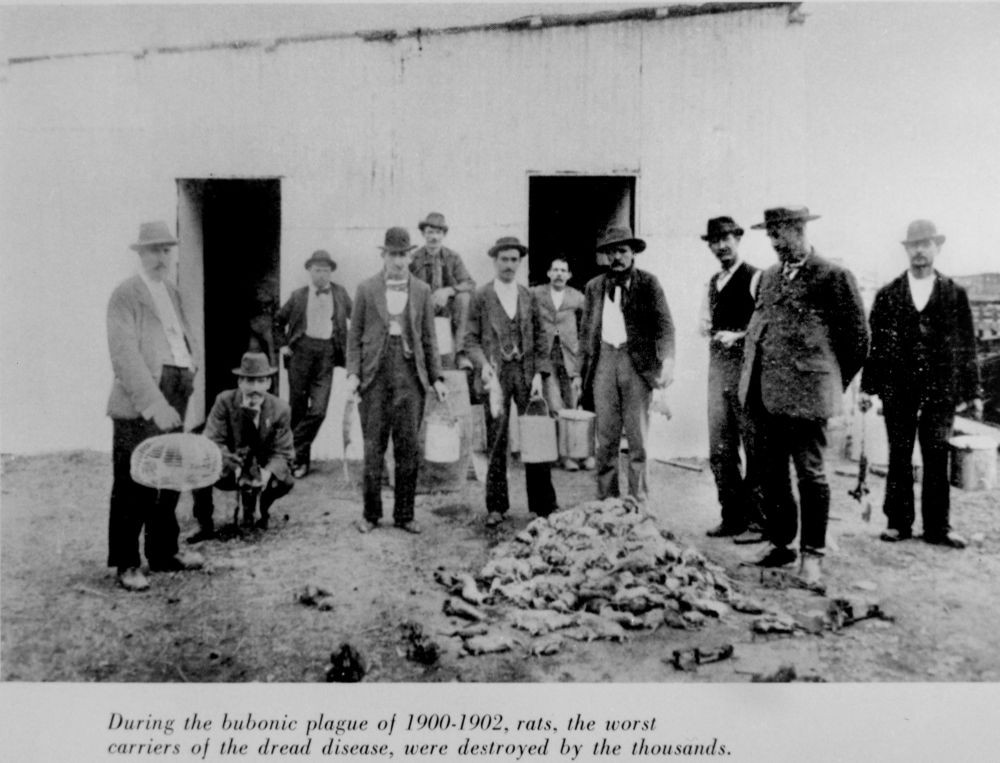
column 154, row 233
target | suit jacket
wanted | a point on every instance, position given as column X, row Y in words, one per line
column 806, row 340
column 369, row 331
column 139, row 349
column 453, row 272
column 485, row 327
column 951, row 370
column 290, row 321
column 648, row 326
column 565, row 322
column 273, row 448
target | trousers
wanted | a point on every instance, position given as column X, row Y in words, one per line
column 310, row 379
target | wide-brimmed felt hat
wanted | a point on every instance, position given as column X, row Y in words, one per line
column 255, row 365
column 397, row 240
column 507, row 242
column 922, row 230
column 621, row 234
column 778, row 215
column 321, row 257
column 720, row 227
column 154, row 233
column 434, row 220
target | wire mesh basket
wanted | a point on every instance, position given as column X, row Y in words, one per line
column 176, row 461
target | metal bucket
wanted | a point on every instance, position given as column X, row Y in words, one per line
column 443, row 439
column 576, row 433
column 973, row 462
column 442, row 330
column 539, row 442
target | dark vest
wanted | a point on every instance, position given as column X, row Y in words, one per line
column 510, row 338
column 731, row 308
column 924, row 340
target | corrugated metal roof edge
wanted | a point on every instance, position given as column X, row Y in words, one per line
column 524, row 23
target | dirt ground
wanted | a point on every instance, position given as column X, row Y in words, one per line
column 64, row 619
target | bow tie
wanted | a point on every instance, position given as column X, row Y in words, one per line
column 327, row 290
column 395, row 285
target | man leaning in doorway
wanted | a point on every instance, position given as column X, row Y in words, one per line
column 727, row 305
column 628, row 352
column 443, row 270
column 504, row 343
column 806, row 340
column 313, row 323
column 154, row 357
column 392, row 362
column 560, row 310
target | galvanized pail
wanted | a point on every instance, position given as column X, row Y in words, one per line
column 443, row 440
column 539, row 442
column 973, row 462
column 576, row 433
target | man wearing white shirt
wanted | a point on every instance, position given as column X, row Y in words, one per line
column 154, row 358
column 727, row 305
column 923, row 366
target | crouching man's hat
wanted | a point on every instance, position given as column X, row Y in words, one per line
column 254, row 365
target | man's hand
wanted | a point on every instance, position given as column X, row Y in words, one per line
column 977, row 408
column 230, row 461
column 659, row 403
column 536, row 385
column 286, row 351
column 728, row 338
column 666, row 377
column 166, row 417
column 864, row 402
column 487, row 373
column 441, row 390
column 352, row 383
column 442, row 295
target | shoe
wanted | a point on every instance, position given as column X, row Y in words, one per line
column 748, row 537
column 494, row 518
column 777, row 556
column 724, row 531
column 589, row 463
column 810, row 573
column 365, row 527
column 262, row 523
column 132, row 579
column 949, row 540
column 300, row 471
column 892, row 535
column 181, row 562
column 570, row 465
column 205, row 533
column 409, row 527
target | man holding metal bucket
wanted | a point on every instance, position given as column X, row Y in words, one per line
column 504, row 343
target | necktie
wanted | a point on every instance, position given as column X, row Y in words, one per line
column 327, row 290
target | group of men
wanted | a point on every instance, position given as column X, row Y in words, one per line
column 784, row 345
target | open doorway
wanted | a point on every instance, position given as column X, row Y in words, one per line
column 566, row 216
column 230, row 232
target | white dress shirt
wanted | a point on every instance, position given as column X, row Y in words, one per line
column 319, row 314
column 920, row 290
column 613, row 321
column 395, row 303
column 165, row 311
column 557, row 297
column 507, row 294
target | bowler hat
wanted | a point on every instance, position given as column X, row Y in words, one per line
column 507, row 242
column 155, row 233
column 620, row 235
column 255, row 365
column 321, row 257
column 434, row 220
column 778, row 215
column 397, row 240
column 720, row 227
column 921, row 230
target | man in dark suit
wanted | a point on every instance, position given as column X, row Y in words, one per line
column 251, row 427
column 806, row 340
column 504, row 343
column 923, row 366
column 392, row 362
column 451, row 285
column 313, row 324
column 628, row 351
column 154, row 356
column 560, row 310
column 726, row 308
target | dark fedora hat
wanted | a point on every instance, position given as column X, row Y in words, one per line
column 155, row 233
column 621, row 234
column 397, row 240
column 508, row 242
column 255, row 365
column 922, row 230
column 720, row 227
column 433, row 220
column 778, row 215
column 321, row 257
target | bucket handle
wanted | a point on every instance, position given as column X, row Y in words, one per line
column 539, row 400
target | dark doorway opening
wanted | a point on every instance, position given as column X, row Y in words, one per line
column 566, row 216
column 238, row 223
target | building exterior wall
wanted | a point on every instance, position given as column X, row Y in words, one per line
column 706, row 111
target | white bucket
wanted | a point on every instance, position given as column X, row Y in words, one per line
column 973, row 462
column 576, row 433
column 539, row 443
column 443, row 438
column 442, row 329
